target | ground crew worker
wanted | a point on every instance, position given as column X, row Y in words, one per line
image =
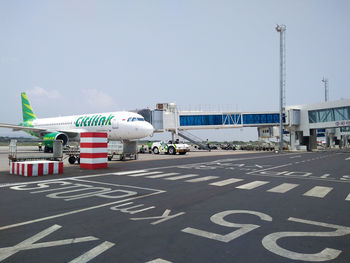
column 142, row 149
column 40, row 146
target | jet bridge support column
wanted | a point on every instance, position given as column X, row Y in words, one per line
column 293, row 141
column 313, row 140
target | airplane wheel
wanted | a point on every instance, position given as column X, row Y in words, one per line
column 155, row 150
column 71, row 159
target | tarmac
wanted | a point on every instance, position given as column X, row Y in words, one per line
column 218, row 206
column 31, row 151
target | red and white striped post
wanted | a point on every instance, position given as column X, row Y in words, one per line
column 36, row 168
column 93, row 150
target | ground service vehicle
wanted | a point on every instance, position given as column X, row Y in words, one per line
column 170, row 148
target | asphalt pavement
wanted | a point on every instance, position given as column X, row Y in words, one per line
column 263, row 207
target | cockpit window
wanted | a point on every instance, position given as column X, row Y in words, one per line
column 135, row 119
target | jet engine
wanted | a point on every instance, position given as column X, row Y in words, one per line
column 50, row 137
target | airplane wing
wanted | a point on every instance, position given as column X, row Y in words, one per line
column 41, row 131
column 20, row 127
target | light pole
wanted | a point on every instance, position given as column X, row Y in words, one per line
column 281, row 29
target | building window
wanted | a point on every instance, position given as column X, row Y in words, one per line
column 329, row 115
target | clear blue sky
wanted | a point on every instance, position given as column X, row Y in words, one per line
column 86, row 56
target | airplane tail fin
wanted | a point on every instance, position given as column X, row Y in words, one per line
column 27, row 111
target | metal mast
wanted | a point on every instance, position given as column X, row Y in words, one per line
column 282, row 29
column 325, row 81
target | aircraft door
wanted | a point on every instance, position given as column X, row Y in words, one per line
column 115, row 124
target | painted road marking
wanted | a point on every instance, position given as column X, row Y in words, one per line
column 226, row 182
column 79, row 210
column 201, row 179
column 29, row 243
column 142, row 174
column 130, row 172
column 92, row 253
column 282, row 188
column 318, row 191
column 270, row 168
column 122, row 185
column 348, row 198
column 180, row 177
column 159, row 260
column 161, row 175
column 252, row 185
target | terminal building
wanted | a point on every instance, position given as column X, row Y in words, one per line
column 302, row 124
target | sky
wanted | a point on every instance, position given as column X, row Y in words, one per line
column 87, row 56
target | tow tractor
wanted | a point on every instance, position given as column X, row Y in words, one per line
column 170, row 147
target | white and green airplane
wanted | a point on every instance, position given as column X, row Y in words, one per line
column 121, row 125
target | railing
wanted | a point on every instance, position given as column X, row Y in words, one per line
column 194, row 139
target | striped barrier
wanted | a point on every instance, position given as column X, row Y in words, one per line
column 93, row 150
column 36, row 168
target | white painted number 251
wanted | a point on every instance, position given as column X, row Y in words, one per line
column 270, row 241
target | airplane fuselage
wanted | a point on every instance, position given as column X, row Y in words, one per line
column 118, row 125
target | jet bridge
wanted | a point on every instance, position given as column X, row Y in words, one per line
column 167, row 117
column 301, row 122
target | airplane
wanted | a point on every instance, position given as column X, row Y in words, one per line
column 121, row 125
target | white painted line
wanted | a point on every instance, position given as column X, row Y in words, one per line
column 226, row 182
column 231, row 160
column 29, row 243
column 92, row 253
column 74, row 212
column 298, row 156
column 348, row 198
column 161, row 175
column 202, row 179
column 252, row 185
column 159, row 260
column 129, row 172
column 142, row 174
column 318, row 191
column 282, row 188
column 270, row 168
column 181, row 177
column 347, row 158
column 325, row 176
column 122, row 185
column 55, row 180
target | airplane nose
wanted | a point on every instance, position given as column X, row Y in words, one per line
column 148, row 129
